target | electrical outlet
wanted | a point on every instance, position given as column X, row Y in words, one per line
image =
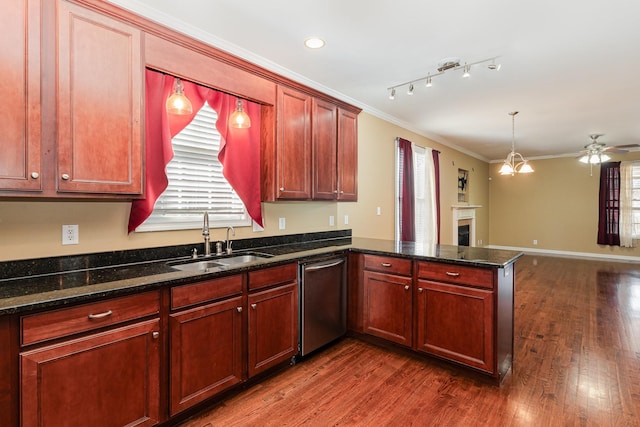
column 535, row 242
column 332, row 221
column 281, row 223
column 70, row 234
column 378, row 211
column 346, row 219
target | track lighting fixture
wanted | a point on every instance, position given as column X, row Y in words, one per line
column 444, row 66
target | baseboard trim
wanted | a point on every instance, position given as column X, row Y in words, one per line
column 569, row 254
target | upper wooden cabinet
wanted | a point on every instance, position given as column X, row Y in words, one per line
column 293, row 144
column 20, row 166
column 99, row 110
column 314, row 155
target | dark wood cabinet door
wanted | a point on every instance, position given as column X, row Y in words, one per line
column 273, row 327
column 387, row 307
column 105, row 379
column 100, row 68
column 456, row 323
column 20, row 161
column 206, row 352
column 325, row 134
column 347, row 159
column 293, row 144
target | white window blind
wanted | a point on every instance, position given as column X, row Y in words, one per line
column 196, row 183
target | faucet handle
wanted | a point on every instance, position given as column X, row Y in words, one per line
column 194, row 253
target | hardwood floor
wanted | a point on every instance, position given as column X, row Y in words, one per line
column 576, row 363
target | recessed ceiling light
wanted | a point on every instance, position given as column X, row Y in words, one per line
column 314, row 43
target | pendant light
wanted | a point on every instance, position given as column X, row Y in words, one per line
column 178, row 103
column 514, row 163
column 239, row 119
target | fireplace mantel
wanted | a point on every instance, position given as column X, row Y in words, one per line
column 463, row 215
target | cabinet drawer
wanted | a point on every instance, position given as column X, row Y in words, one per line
column 273, row 276
column 209, row 290
column 59, row 323
column 479, row 277
column 388, row 264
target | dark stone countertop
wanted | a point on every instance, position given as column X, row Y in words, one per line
column 78, row 279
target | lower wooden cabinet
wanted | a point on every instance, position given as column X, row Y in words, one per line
column 104, row 379
column 273, row 327
column 456, row 323
column 205, row 352
column 387, row 306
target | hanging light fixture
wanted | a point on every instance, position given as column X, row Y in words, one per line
column 514, row 163
column 239, row 119
column 178, row 103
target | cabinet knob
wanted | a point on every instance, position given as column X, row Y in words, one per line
column 155, row 335
column 281, row 188
column 253, row 306
column 35, row 175
column 335, row 191
column 406, row 287
column 239, row 309
column 419, row 289
column 65, row 176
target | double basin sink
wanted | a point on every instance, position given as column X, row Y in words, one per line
column 210, row 264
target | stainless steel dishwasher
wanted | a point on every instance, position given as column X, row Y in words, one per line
column 323, row 302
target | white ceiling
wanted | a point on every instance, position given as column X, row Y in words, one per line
column 570, row 67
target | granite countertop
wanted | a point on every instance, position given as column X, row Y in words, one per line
column 92, row 277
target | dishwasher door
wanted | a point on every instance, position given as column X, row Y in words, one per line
column 323, row 303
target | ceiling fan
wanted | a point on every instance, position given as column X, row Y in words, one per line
column 596, row 152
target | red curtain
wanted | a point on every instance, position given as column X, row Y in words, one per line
column 407, row 206
column 609, row 204
column 436, row 170
column 239, row 148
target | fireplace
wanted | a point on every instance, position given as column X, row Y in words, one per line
column 464, row 225
column 463, row 234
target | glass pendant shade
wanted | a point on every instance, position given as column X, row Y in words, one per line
column 525, row 168
column 239, row 119
column 506, row 169
column 178, row 103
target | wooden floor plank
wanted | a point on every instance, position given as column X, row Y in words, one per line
column 576, row 363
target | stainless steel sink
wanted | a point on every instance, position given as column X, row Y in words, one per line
column 219, row 263
column 198, row 266
column 240, row 259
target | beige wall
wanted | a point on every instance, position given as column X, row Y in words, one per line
column 557, row 205
column 32, row 229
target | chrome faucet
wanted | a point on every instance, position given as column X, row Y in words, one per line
column 229, row 242
column 205, row 233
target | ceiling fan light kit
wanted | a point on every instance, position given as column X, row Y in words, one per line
column 595, row 152
column 445, row 65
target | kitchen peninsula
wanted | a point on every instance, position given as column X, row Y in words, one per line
column 127, row 310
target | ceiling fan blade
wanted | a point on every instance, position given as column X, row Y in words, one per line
column 626, row 146
column 614, row 150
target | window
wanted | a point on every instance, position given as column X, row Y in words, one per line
column 636, row 199
column 196, row 183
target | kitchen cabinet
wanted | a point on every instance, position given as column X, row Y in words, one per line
column 455, row 314
column 20, row 163
column 315, row 150
column 109, row 376
column 272, row 317
column 347, row 158
column 293, row 144
column 387, row 292
column 99, row 114
column 206, row 340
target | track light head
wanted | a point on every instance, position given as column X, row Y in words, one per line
column 410, row 91
column 392, row 94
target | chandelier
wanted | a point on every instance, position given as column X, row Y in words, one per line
column 515, row 162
